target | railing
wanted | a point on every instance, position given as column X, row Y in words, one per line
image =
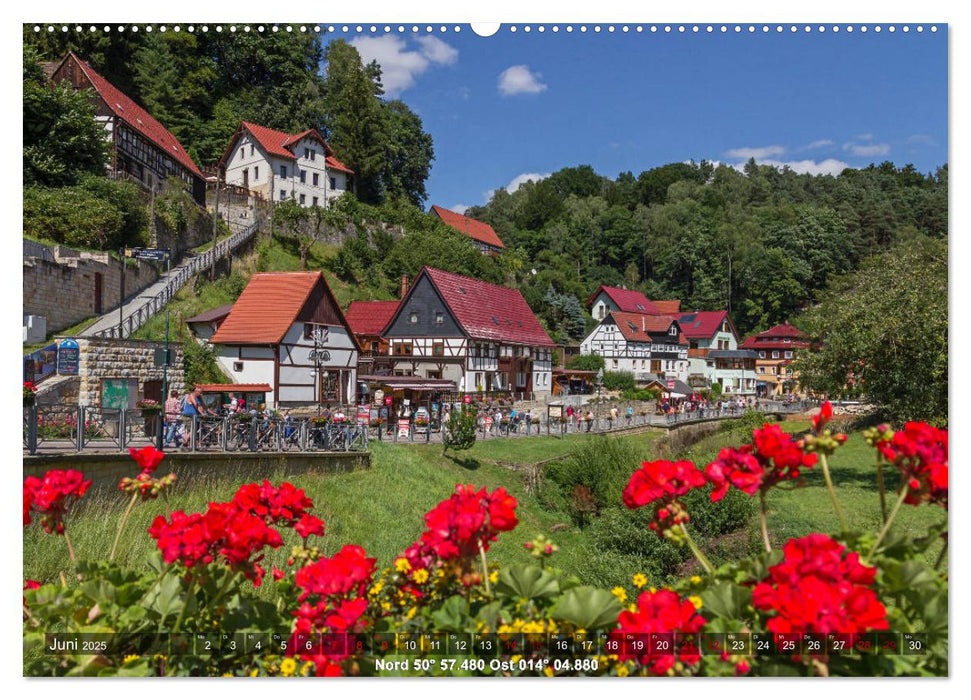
column 184, row 273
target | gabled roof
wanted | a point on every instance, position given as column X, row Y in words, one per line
column 641, row 327
column 668, row 307
column 486, row 311
column 281, row 144
column 217, row 314
column 478, row 230
column 626, row 300
column 268, row 307
column 137, row 118
column 773, row 339
column 782, row 330
column 370, row 317
column 703, row 324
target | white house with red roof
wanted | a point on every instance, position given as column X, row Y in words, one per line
column 482, row 234
column 141, row 147
column 776, row 348
column 367, row 319
column 482, row 337
column 606, row 299
column 280, row 166
column 714, row 356
column 287, row 330
column 650, row 346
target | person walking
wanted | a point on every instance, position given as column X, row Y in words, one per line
column 171, row 418
column 193, row 405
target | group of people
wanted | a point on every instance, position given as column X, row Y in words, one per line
column 180, row 410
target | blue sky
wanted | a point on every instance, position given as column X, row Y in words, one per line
column 515, row 105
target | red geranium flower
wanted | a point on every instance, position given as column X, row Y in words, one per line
column 148, row 458
column 458, row 526
column 920, row 452
column 662, row 612
column 824, row 416
column 662, row 482
column 52, row 495
column 815, row 588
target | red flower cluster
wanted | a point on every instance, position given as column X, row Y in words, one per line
column 458, row 526
column 51, row 497
column 663, row 482
column 662, row 612
column 285, row 506
column 237, row 531
column 772, row 458
column 333, row 599
column 816, row 589
column 824, row 416
column 919, row 451
column 148, row 487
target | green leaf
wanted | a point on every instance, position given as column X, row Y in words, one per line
column 587, row 607
column 527, row 581
column 727, row 600
column 452, row 616
column 167, row 600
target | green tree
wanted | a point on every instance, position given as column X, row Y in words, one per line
column 62, row 140
column 589, row 363
column 882, row 333
column 459, row 433
column 408, row 153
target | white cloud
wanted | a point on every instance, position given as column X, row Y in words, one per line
column 920, row 139
column 865, row 137
column 517, row 80
column 830, row 166
column 460, row 208
column 819, row 144
column 401, row 67
column 523, row 178
column 757, row 153
column 867, row 150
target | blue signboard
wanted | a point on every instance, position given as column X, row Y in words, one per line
column 68, row 356
column 40, row 363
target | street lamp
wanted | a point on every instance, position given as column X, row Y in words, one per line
column 600, row 384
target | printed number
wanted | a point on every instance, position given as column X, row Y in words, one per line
column 915, row 644
column 788, row 645
column 838, row 645
column 208, row 645
column 738, row 644
column 662, row 645
column 232, row 645
column 562, row 644
column 259, row 645
column 763, row 645
column 460, row 644
column 814, row 645
column 487, row 645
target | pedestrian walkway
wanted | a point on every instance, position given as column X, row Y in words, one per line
column 151, row 300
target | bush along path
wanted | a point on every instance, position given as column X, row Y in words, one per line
column 824, row 604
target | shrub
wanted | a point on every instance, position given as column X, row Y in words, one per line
column 589, row 363
column 619, row 381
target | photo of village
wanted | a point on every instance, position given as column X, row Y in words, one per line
column 291, row 410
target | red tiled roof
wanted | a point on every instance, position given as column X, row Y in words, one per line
column 370, row 317
column 137, row 118
column 488, row 311
column 753, row 342
column 668, row 307
column 639, row 327
column 267, row 308
column 478, row 230
column 626, row 300
column 772, row 339
column 782, row 330
column 280, row 144
column 702, row 324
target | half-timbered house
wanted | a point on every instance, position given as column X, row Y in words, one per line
column 287, row 330
column 481, row 336
column 141, row 148
column 646, row 345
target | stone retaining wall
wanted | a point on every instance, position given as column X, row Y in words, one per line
column 123, row 359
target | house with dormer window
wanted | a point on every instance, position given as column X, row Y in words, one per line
column 650, row 346
column 482, row 337
column 279, row 166
column 776, row 348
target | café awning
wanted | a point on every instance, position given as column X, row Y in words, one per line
column 407, row 383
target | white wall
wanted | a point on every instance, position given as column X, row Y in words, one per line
column 259, row 371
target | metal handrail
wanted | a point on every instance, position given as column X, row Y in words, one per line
column 137, row 318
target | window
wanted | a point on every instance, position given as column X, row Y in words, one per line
column 283, row 195
column 315, row 201
column 308, row 331
column 788, row 354
column 761, row 354
column 775, row 354
column 306, row 153
column 413, row 317
column 303, row 177
column 283, row 171
column 333, row 183
column 303, row 199
column 438, row 349
column 313, row 154
column 615, row 362
column 256, row 173
column 237, row 366
column 673, row 330
column 402, row 348
column 242, row 153
column 316, row 180
column 439, row 318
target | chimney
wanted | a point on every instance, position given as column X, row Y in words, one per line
column 404, row 286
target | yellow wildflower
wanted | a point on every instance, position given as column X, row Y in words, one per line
column 695, row 579
column 515, row 659
column 494, row 577
column 548, row 671
column 131, row 657
column 376, row 588
column 440, row 573
column 632, row 607
column 652, row 589
column 254, row 673
column 411, row 612
column 623, row 671
column 306, row 668
column 401, row 564
column 227, row 675
column 287, row 667
column 640, row 580
column 695, row 600
column 385, row 605
column 420, row 575
column 620, row 593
